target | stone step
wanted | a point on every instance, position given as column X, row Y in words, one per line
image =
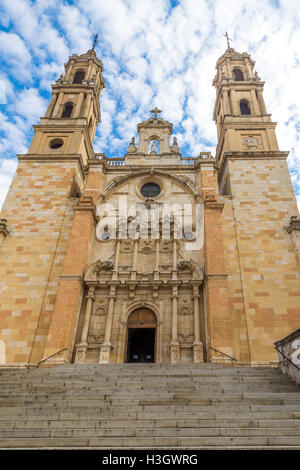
column 154, row 424
column 149, row 432
column 151, row 442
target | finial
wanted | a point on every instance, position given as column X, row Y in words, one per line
column 228, row 39
column 95, row 37
column 155, row 111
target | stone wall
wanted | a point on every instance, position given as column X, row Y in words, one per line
column 39, row 215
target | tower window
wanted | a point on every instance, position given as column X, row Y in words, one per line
column 244, row 107
column 79, row 76
column 238, row 75
column 68, row 108
column 56, row 143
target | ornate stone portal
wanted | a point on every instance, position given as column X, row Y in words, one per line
column 152, row 271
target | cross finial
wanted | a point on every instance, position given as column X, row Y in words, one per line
column 95, row 36
column 228, row 39
column 155, row 111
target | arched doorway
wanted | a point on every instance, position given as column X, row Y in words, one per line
column 141, row 336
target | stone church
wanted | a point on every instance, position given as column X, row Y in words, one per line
column 153, row 256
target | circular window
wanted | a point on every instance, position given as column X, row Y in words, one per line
column 56, row 143
column 150, row 190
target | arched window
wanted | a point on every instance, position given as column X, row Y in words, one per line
column 244, row 107
column 238, row 75
column 68, row 108
column 79, row 76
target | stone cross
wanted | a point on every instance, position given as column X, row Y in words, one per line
column 228, row 39
column 155, row 111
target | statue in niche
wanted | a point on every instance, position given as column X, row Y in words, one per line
column 153, row 148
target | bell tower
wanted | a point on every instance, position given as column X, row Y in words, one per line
column 243, row 123
column 73, row 113
column 49, row 216
column 258, row 197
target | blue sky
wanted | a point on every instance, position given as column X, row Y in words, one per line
column 155, row 53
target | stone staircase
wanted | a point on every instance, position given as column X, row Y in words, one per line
column 149, row 406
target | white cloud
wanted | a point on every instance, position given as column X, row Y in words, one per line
column 7, row 170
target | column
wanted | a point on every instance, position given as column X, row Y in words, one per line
column 81, row 348
column 117, row 257
column 78, row 105
column 174, row 345
column 51, row 105
column 261, row 102
column 174, row 270
column 235, row 105
column 134, row 262
column 156, row 269
column 197, row 345
column 226, row 102
column 86, row 106
column 106, row 345
column 255, row 102
column 56, row 112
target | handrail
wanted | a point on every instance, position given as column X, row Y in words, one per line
column 46, row 358
column 287, row 358
column 232, row 358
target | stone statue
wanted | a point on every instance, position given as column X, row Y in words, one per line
column 153, row 148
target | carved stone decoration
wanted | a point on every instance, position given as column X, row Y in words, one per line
column 124, row 267
column 132, row 148
column 256, row 76
column 149, row 202
column 127, row 246
column 166, row 246
column 174, row 353
column 147, row 247
column 294, row 224
column 185, row 310
column 190, row 266
column 153, row 149
column 175, row 147
column 106, row 266
column 198, row 352
column 184, row 265
column 252, row 142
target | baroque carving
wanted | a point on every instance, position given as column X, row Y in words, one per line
column 252, row 142
column 106, row 266
column 132, row 148
column 147, row 247
column 127, row 246
column 166, row 246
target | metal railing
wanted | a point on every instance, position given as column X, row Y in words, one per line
column 224, row 354
column 287, row 358
column 46, row 358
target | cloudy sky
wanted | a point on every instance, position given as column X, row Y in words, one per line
column 155, row 53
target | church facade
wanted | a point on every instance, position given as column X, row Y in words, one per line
column 154, row 256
